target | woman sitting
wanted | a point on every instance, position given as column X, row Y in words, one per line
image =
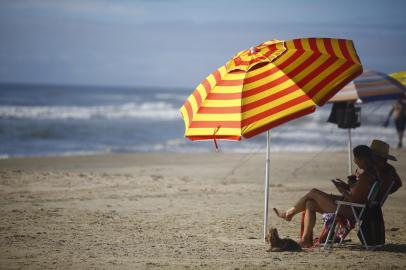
column 321, row 202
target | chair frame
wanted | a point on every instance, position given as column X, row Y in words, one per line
column 358, row 217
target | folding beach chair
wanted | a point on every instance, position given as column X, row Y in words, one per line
column 338, row 232
column 358, row 211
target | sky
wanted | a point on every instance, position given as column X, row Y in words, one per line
column 176, row 44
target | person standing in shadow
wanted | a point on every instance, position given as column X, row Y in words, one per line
column 399, row 112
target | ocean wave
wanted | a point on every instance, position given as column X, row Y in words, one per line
column 148, row 110
column 55, row 154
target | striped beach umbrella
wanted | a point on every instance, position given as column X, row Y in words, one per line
column 267, row 85
column 371, row 86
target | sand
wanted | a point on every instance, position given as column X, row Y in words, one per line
column 174, row 211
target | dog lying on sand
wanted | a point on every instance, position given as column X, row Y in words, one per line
column 278, row 245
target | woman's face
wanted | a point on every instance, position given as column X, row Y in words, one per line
column 360, row 162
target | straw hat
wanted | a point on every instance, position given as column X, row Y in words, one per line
column 381, row 149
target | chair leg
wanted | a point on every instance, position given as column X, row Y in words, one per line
column 332, row 228
column 359, row 224
column 363, row 238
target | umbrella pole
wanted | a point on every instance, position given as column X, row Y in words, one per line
column 349, row 152
column 266, row 184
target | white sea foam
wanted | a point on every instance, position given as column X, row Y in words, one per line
column 59, row 154
column 290, row 138
column 148, row 110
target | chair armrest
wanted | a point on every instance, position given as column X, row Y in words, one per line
column 350, row 204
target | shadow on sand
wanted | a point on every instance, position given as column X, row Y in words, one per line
column 393, row 248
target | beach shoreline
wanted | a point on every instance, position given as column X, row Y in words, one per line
column 174, row 211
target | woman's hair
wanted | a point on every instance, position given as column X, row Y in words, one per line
column 365, row 153
column 362, row 151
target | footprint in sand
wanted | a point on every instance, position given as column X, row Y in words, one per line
column 156, row 177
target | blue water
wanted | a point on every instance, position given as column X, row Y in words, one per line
column 41, row 120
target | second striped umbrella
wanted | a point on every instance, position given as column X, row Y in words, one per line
column 372, row 85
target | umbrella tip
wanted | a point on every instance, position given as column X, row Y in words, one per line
column 253, row 50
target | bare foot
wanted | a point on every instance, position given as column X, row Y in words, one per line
column 282, row 215
column 305, row 244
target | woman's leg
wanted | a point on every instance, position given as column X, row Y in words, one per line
column 309, row 222
column 400, row 128
column 400, row 136
column 324, row 203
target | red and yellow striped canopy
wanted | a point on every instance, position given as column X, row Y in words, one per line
column 267, row 85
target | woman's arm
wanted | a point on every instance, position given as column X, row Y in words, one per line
column 386, row 123
column 359, row 192
column 397, row 183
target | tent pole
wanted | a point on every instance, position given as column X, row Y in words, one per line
column 266, row 184
column 349, row 153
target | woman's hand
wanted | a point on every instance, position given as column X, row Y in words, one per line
column 341, row 189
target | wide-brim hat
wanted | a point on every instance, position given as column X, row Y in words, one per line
column 381, row 149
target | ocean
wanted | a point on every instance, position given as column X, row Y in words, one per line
column 51, row 120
